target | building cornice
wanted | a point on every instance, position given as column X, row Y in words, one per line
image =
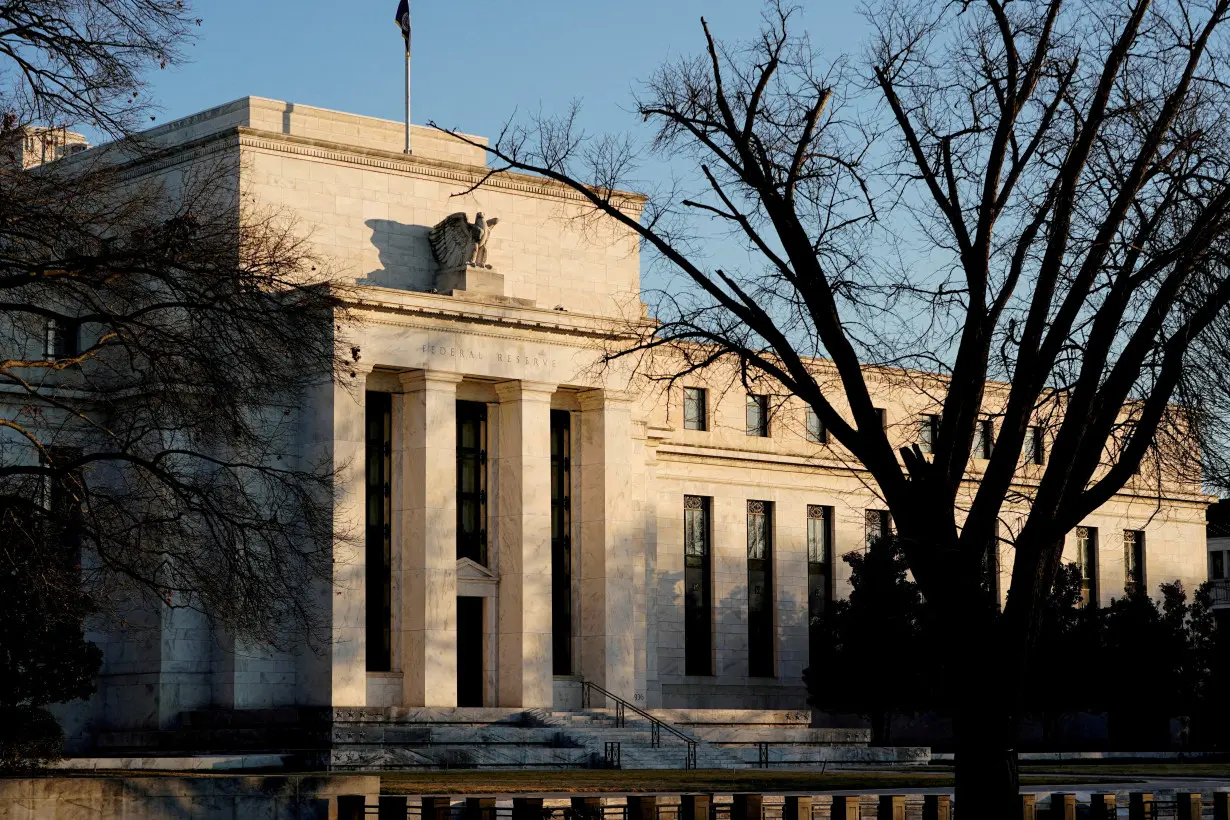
column 468, row 176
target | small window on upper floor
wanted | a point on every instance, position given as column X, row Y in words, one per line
column 816, row 431
column 984, row 435
column 883, row 417
column 1034, row 450
column 757, row 415
column 695, row 408
column 61, row 339
column 1217, row 565
column 928, row 433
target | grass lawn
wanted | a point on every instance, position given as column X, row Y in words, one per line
column 591, row 781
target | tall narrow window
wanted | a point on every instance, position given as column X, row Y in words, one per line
column 760, row 589
column 1217, row 565
column 695, row 411
column 697, row 599
column 882, row 417
column 816, row 431
column 1087, row 562
column 757, row 416
column 879, row 524
column 561, row 542
column 1134, row 561
column 928, row 433
column 984, row 435
column 379, row 567
column 819, row 565
column 62, row 339
column 1034, row 449
column 472, row 481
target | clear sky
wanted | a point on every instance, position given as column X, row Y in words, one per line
column 475, row 61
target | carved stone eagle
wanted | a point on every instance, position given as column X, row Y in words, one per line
column 458, row 243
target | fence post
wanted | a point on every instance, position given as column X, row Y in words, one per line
column 526, row 808
column 1029, row 807
column 391, row 807
column 643, row 807
column 1063, row 806
column 696, row 806
column 1140, row 806
column 891, row 807
column 746, row 807
column 1190, row 806
column 480, row 808
column 1102, row 806
column 845, row 807
column 351, row 806
column 796, row 808
column 937, row 807
column 435, row 808
column 1221, row 805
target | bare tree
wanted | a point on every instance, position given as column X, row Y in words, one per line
column 1028, row 199
column 156, row 337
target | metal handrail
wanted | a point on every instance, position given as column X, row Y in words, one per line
column 655, row 725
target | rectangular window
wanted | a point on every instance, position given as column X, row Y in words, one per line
column 1134, row 562
column 1034, row 449
column 561, row 541
column 819, row 566
column 879, row 524
column 928, row 433
column 695, row 409
column 757, row 416
column 64, row 497
column 1087, row 562
column 816, row 432
column 61, row 340
column 760, row 588
column 698, row 588
column 1217, row 565
column 984, row 434
column 472, row 481
column 379, row 497
column 882, row 416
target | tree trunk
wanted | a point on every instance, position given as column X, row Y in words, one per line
column 986, row 758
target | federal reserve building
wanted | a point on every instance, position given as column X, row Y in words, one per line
column 530, row 534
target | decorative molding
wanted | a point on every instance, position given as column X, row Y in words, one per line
column 525, row 390
column 416, row 380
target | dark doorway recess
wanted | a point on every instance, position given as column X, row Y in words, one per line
column 471, row 676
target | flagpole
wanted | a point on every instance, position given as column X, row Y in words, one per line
column 407, row 97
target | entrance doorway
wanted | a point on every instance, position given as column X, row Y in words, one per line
column 471, row 674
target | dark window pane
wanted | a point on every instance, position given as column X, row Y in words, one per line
column 698, row 624
column 758, row 416
column 378, row 547
column 760, row 607
column 472, row 481
column 561, row 542
column 694, row 409
column 815, row 428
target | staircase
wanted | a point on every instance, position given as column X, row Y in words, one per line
column 637, row 749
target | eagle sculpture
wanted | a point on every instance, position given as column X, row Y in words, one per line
column 458, row 243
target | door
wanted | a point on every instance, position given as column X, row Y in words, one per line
column 471, row 676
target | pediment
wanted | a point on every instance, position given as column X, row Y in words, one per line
column 469, row 570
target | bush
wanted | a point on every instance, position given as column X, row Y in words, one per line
column 30, row 738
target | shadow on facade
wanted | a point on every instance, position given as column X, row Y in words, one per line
column 405, row 256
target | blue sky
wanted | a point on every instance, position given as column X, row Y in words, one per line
column 475, row 61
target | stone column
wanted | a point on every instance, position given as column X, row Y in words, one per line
column 524, row 541
column 428, row 539
column 607, row 537
column 349, row 594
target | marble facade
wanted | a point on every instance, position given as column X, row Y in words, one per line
column 525, row 352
